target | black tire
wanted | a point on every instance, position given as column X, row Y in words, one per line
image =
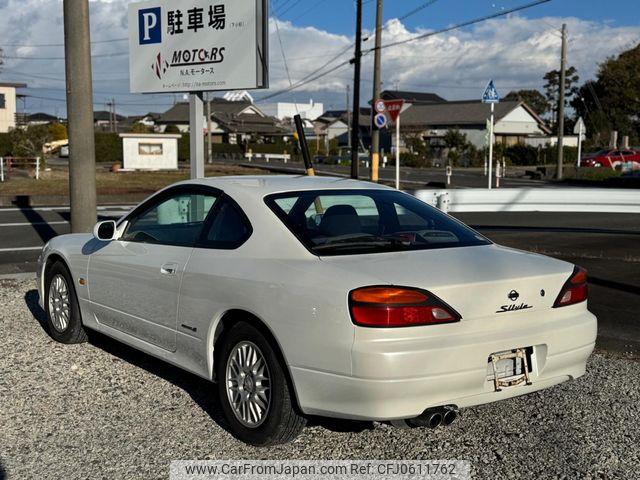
column 281, row 422
column 72, row 331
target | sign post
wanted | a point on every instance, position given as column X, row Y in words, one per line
column 394, row 108
column 580, row 130
column 491, row 96
column 197, row 46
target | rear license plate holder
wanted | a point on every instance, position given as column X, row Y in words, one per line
column 518, row 355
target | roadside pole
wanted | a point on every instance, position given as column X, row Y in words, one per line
column 563, row 65
column 375, row 131
column 82, row 160
column 196, row 129
column 490, row 146
column 355, row 129
column 579, row 129
column 209, row 146
column 398, row 153
column 491, row 96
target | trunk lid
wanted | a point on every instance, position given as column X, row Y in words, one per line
column 477, row 282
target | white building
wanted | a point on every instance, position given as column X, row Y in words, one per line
column 150, row 151
column 8, row 107
column 282, row 110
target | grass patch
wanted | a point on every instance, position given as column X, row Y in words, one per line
column 56, row 181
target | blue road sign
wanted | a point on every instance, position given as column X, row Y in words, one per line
column 380, row 120
column 150, row 25
column 490, row 94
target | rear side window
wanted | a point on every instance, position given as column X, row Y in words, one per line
column 343, row 222
column 227, row 229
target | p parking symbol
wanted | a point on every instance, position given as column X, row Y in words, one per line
column 150, row 25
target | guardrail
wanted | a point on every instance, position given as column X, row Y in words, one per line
column 7, row 164
column 266, row 156
column 533, row 199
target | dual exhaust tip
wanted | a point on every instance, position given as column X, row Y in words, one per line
column 434, row 417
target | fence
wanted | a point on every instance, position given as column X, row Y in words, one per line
column 8, row 164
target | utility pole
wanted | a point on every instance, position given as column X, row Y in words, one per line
column 209, row 149
column 355, row 131
column 82, row 160
column 348, row 121
column 563, row 65
column 375, row 132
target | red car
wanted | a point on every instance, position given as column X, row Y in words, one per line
column 610, row 158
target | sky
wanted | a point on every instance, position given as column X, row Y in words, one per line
column 515, row 50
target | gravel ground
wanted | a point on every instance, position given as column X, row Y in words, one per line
column 103, row 410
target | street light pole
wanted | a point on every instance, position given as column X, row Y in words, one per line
column 82, row 160
column 355, row 129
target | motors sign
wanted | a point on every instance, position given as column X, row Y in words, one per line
column 198, row 45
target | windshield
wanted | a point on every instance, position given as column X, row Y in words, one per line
column 344, row 222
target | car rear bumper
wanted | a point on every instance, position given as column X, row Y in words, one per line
column 451, row 370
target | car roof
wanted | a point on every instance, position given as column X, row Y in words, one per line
column 261, row 185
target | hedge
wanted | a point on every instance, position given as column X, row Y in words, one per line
column 5, row 144
column 108, row 147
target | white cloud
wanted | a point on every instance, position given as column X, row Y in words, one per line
column 514, row 51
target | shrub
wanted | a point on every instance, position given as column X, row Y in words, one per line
column 108, row 147
column 521, row 155
column 6, row 148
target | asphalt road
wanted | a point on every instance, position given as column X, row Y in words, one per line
column 412, row 177
column 606, row 244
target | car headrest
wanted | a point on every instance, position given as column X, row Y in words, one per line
column 340, row 220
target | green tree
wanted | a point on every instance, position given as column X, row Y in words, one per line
column 58, row 131
column 457, row 144
column 533, row 98
column 171, row 128
column 28, row 142
column 612, row 101
column 139, row 127
column 552, row 89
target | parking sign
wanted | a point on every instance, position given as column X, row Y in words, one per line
column 198, row 45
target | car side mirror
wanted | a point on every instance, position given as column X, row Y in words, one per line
column 105, row 231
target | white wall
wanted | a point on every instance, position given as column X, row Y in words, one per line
column 8, row 113
column 168, row 160
column 283, row 110
column 517, row 122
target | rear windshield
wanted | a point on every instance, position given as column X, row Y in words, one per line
column 347, row 222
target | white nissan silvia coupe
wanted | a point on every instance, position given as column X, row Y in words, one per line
column 307, row 296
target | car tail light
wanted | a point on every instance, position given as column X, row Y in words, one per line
column 398, row 307
column 574, row 290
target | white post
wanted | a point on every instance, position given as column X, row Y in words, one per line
column 37, row 168
column 196, row 130
column 448, row 173
column 490, row 146
column 1, row 169
column 398, row 153
column 498, row 174
column 579, row 142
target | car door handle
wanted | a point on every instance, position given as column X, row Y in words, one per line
column 169, row 269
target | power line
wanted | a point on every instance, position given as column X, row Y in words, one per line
column 28, row 45
column 464, row 24
column 100, row 55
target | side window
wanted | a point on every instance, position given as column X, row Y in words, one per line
column 228, row 229
column 177, row 220
column 2, row 102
